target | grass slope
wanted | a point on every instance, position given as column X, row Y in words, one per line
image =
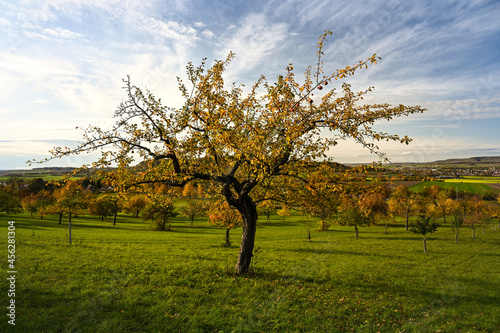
column 467, row 186
column 127, row 278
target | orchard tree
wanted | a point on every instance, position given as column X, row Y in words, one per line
column 353, row 216
column 135, row 204
column 9, row 202
column 457, row 222
column 321, row 199
column 267, row 208
column 192, row 209
column 424, row 226
column 101, row 206
column 160, row 209
column 403, row 202
column 221, row 214
column 239, row 142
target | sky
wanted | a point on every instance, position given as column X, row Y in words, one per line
column 62, row 63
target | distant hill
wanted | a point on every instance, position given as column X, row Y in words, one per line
column 470, row 160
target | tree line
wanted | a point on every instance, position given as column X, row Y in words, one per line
column 375, row 204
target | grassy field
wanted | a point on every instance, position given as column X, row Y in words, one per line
column 479, row 187
column 127, row 278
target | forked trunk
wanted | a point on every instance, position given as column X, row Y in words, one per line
column 248, row 211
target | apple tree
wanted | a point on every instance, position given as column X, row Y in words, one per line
column 241, row 142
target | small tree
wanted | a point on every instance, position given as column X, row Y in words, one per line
column 101, row 206
column 284, row 212
column 403, row 203
column 9, row 203
column 352, row 215
column 135, row 204
column 190, row 191
column 424, row 226
column 456, row 223
column 267, row 208
column 374, row 206
column 322, row 202
column 192, row 209
column 221, row 214
column 160, row 210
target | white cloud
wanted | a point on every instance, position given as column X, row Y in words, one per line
column 253, row 41
column 61, row 33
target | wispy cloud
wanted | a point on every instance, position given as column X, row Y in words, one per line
column 253, row 40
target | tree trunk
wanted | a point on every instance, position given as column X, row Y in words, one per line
column 60, row 218
column 228, row 242
column 406, row 222
column 425, row 245
column 248, row 211
column 356, row 229
column 456, row 238
column 114, row 217
column 69, row 226
column 385, row 227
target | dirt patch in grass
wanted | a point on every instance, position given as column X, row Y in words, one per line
column 495, row 186
column 405, row 183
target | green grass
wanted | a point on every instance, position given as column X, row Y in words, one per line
column 467, row 186
column 127, row 278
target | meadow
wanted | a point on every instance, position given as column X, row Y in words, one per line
column 478, row 186
column 128, row 278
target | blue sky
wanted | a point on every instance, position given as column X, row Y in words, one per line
column 62, row 62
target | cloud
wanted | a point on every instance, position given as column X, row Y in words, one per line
column 253, row 40
column 61, row 33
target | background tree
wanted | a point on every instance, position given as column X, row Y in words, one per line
column 403, row 202
column 267, row 208
column 54, row 208
column 71, row 198
column 134, row 204
column 474, row 210
column 238, row 142
column 284, row 212
column 321, row 201
column 193, row 209
column 424, row 226
column 374, row 205
column 101, row 206
column 190, row 191
column 352, row 214
column 221, row 214
column 9, row 202
column 160, row 209
column 456, row 223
